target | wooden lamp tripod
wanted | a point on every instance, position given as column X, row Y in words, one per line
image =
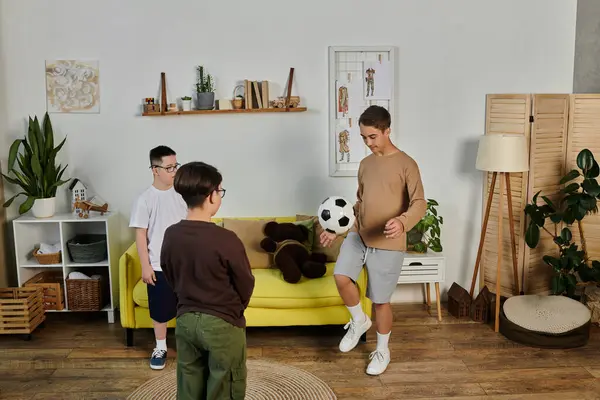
column 500, row 154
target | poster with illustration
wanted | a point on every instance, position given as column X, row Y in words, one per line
column 377, row 80
column 349, row 98
column 349, row 144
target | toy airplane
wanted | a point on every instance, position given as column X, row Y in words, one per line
column 87, row 206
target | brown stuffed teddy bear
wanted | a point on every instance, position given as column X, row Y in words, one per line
column 292, row 257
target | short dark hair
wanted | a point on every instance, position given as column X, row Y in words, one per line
column 377, row 117
column 195, row 181
column 157, row 153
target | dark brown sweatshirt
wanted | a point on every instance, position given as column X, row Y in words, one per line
column 208, row 269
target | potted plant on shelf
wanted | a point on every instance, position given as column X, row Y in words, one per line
column 205, row 90
column 571, row 265
column 38, row 176
column 186, row 103
column 426, row 233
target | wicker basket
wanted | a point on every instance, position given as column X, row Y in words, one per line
column 52, row 283
column 88, row 248
column 45, row 259
column 85, row 294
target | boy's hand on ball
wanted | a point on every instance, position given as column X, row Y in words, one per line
column 393, row 228
column 327, row 238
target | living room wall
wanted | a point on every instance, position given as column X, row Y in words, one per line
column 450, row 55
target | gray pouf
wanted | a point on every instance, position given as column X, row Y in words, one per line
column 545, row 321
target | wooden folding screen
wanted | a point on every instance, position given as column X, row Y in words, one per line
column 505, row 114
column 584, row 132
column 558, row 127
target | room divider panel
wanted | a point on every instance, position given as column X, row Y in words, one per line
column 558, row 127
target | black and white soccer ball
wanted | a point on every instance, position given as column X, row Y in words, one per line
column 336, row 215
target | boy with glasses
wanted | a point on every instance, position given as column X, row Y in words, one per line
column 207, row 267
column 157, row 208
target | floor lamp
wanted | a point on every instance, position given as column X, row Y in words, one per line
column 500, row 154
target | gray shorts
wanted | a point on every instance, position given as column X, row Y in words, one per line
column 383, row 267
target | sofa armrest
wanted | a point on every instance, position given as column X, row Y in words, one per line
column 130, row 272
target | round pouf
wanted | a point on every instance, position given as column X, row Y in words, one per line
column 266, row 380
column 556, row 322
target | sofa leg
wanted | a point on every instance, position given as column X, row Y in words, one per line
column 363, row 338
column 129, row 335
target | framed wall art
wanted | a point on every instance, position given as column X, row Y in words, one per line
column 359, row 76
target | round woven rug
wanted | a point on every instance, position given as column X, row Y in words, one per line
column 266, row 380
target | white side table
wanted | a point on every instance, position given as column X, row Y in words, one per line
column 426, row 268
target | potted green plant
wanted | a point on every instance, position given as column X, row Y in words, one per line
column 426, row 233
column 37, row 175
column 205, row 90
column 571, row 264
column 186, row 103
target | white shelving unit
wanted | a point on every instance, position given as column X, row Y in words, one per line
column 29, row 232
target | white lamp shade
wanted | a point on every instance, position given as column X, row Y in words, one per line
column 502, row 153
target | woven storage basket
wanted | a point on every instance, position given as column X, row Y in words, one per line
column 87, row 248
column 50, row 258
column 85, row 294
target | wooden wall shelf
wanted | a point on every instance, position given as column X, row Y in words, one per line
column 237, row 111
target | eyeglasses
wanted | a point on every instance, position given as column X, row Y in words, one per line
column 168, row 168
column 221, row 192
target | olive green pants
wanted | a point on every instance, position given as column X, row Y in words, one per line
column 211, row 358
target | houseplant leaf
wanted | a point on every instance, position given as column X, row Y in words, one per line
column 569, row 176
column 585, row 159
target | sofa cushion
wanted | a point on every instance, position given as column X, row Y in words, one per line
column 251, row 233
column 271, row 291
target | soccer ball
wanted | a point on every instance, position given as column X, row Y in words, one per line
column 336, row 215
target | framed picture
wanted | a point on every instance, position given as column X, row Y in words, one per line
column 359, row 76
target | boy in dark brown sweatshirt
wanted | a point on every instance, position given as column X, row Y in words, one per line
column 209, row 271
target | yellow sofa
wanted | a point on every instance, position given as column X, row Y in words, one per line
column 274, row 302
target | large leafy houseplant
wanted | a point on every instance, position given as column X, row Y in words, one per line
column 426, row 233
column 571, row 264
column 37, row 175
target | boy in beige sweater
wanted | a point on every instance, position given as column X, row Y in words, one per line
column 390, row 201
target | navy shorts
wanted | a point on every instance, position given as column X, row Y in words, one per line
column 162, row 301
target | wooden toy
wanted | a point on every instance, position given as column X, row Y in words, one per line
column 87, row 206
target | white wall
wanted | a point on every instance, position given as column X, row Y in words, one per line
column 451, row 54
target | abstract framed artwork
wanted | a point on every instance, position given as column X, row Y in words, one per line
column 72, row 86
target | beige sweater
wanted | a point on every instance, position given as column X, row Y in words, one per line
column 388, row 186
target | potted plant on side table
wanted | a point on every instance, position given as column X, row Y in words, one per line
column 38, row 176
column 426, row 233
column 205, row 90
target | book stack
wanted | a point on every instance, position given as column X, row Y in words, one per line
column 257, row 94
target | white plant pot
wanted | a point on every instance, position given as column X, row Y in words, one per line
column 186, row 105
column 44, row 208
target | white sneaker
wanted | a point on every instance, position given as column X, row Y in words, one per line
column 355, row 331
column 380, row 359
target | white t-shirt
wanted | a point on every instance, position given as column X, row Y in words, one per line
column 156, row 210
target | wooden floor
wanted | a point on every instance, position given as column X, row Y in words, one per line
column 77, row 356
